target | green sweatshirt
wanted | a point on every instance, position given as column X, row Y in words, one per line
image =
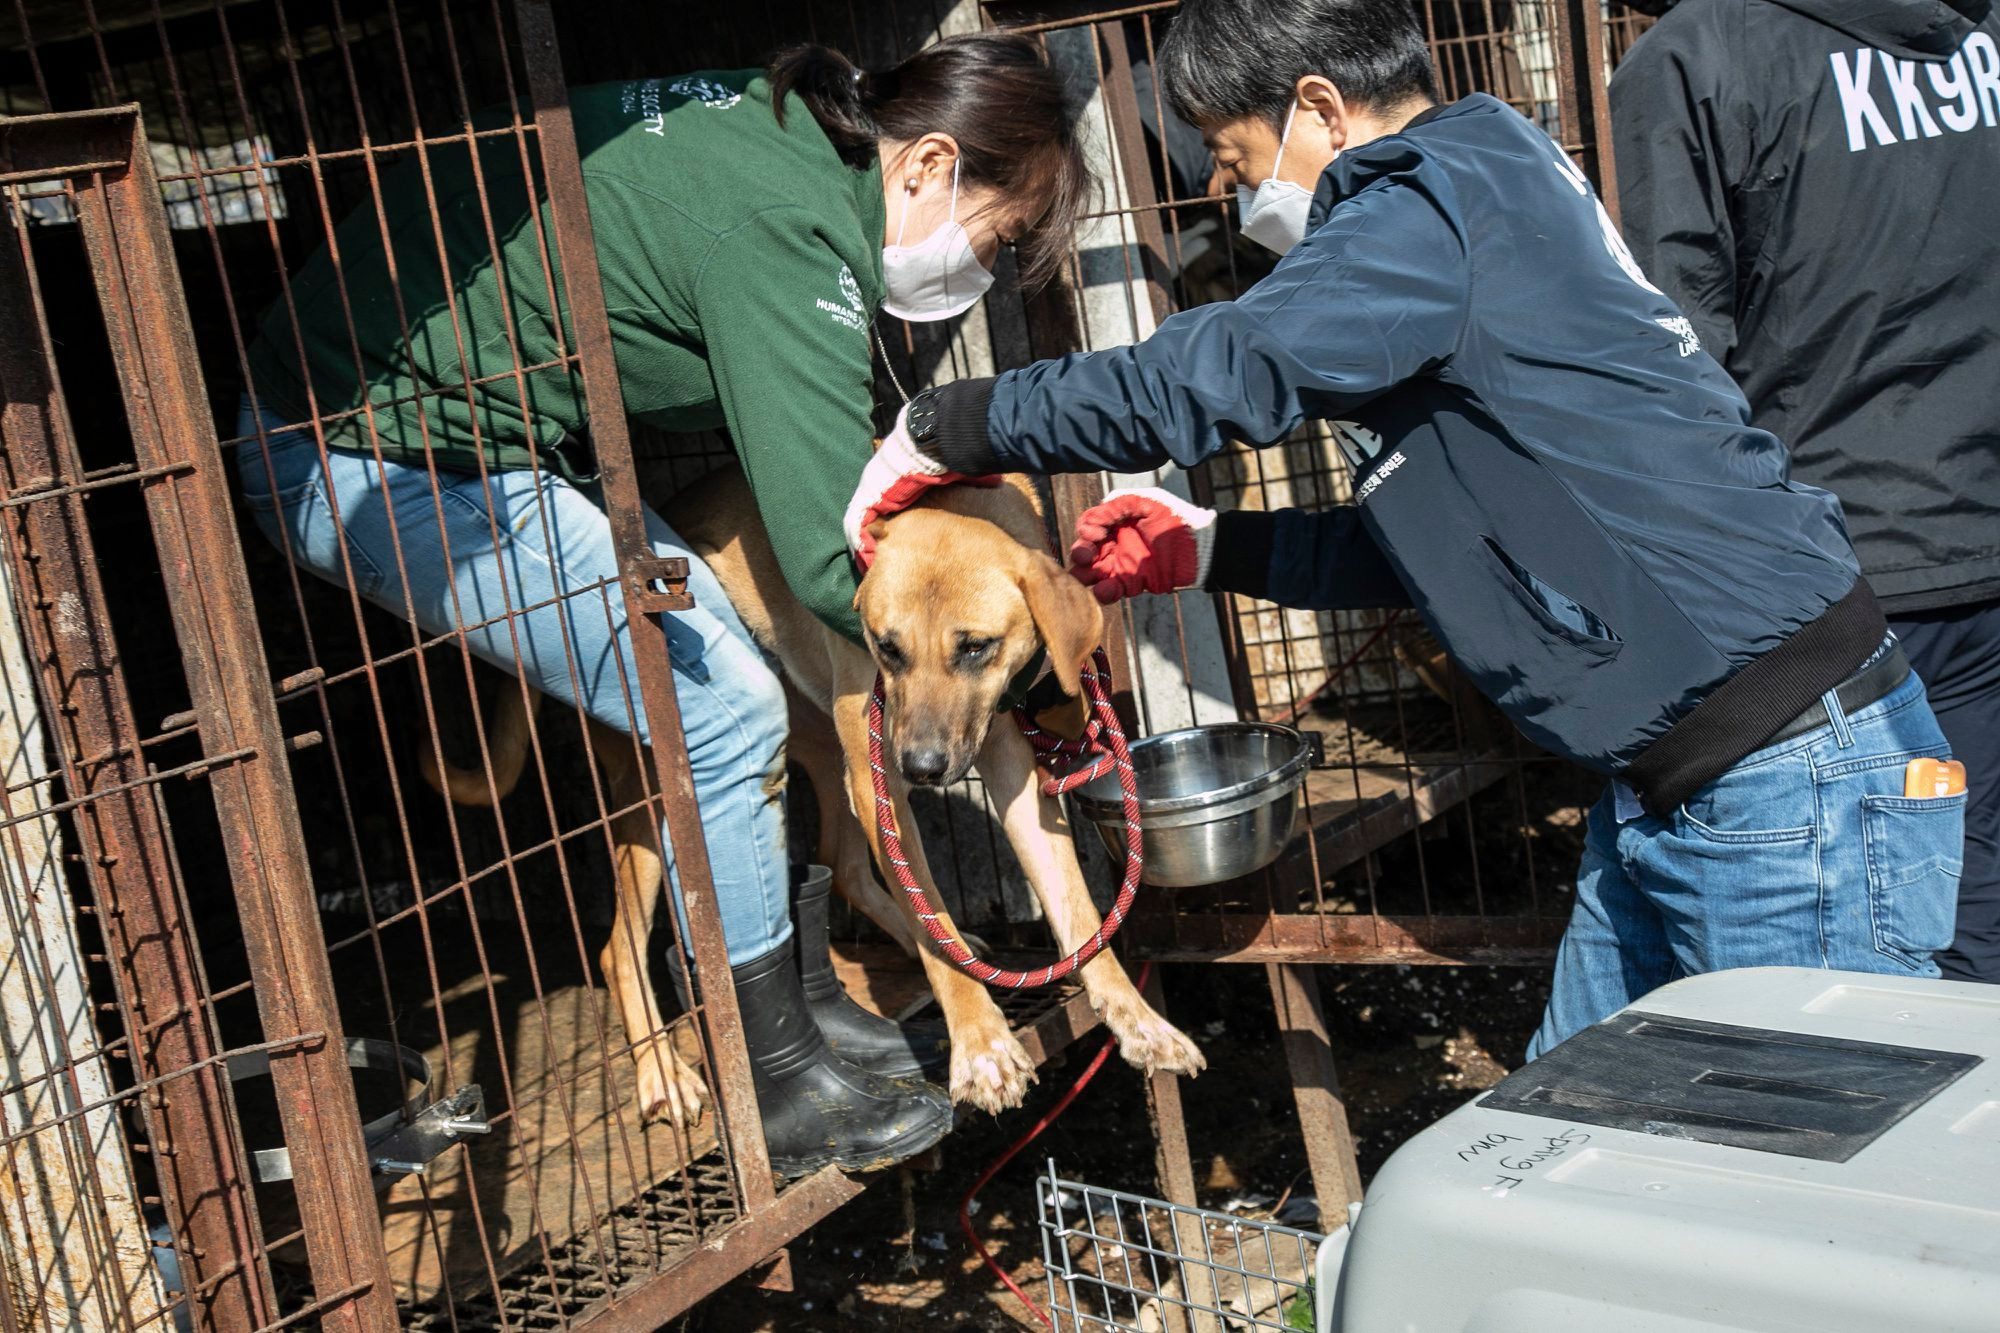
column 742, row 263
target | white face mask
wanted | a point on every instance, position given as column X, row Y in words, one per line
column 1274, row 214
column 939, row 276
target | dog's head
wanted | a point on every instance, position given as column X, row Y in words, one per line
column 960, row 596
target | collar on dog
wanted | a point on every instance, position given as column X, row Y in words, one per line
column 1016, row 694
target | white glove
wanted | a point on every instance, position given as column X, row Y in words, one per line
column 896, row 477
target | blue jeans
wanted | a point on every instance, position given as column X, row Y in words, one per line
column 1805, row 854
column 1957, row 651
column 553, row 540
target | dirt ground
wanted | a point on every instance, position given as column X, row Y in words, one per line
column 1412, row 1042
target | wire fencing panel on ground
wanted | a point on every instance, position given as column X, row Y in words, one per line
column 1125, row 1263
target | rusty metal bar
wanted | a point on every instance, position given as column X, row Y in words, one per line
column 37, row 490
column 1316, row 1090
column 63, row 143
column 189, row 770
column 1173, row 1164
column 1297, row 937
column 736, row 1251
column 604, row 401
column 89, row 713
column 1598, row 85
column 144, row 1085
column 208, row 595
column 1583, row 100
column 1122, row 100
column 1053, row 15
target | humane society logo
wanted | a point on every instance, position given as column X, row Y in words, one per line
column 852, row 315
column 715, row 96
column 642, row 99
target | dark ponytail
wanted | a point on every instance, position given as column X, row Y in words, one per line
column 995, row 93
column 831, row 87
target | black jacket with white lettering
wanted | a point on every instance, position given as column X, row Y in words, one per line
column 1817, row 184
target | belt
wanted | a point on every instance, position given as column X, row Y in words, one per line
column 1859, row 690
column 1764, row 700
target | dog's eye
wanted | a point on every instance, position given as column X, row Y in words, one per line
column 891, row 654
column 972, row 650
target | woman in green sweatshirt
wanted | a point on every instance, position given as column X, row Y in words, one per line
column 749, row 224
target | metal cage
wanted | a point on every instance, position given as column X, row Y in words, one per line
column 1409, row 748
column 1432, row 832
column 220, row 855
column 1125, row 1263
column 224, row 873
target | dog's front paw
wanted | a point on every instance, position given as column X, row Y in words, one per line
column 1150, row 1042
column 991, row 1070
column 669, row 1088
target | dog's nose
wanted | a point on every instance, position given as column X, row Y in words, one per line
column 924, row 766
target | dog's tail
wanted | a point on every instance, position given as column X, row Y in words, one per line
column 506, row 746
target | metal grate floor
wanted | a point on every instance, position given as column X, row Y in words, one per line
column 644, row 1238
column 1025, row 1008
column 639, row 1241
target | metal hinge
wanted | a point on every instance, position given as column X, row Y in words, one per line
column 404, row 1140
column 659, row 583
column 410, row 1147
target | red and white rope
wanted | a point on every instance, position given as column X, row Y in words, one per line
column 1103, row 736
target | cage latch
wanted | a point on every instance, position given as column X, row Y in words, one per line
column 412, row 1146
column 660, row 584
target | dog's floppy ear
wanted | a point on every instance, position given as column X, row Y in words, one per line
column 1068, row 617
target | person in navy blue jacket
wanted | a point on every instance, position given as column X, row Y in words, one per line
column 1547, row 466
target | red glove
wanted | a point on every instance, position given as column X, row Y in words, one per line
column 895, row 478
column 1148, row 540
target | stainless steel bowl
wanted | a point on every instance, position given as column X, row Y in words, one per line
column 1215, row 802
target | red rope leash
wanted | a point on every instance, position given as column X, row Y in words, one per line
column 1048, row 748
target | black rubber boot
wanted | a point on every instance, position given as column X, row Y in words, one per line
column 857, row 1035
column 818, row 1109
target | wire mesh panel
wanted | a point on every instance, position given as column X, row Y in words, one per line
column 180, row 1057
column 457, row 836
column 458, row 844
column 1622, row 27
column 1431, row 831
column 1118, row 1261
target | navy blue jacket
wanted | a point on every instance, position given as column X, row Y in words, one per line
column 1566, row 486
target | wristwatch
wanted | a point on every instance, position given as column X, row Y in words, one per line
column 924, row 416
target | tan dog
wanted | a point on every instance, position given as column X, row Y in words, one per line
column 961, row 595
column 669, row 1087
column 959, row 599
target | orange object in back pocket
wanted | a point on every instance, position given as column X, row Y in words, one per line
column 1927, row 778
